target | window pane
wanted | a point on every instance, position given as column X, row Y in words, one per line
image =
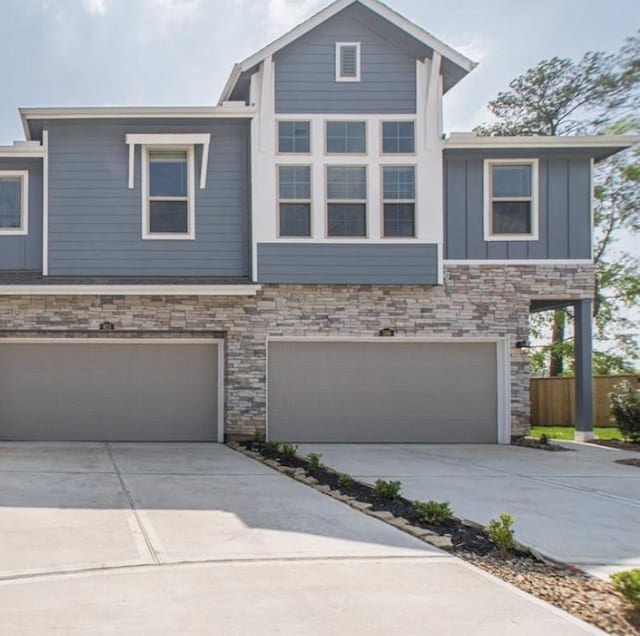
column 10, row 202
column 346, row 137
column 295, row 182
column 399, row 219
column 398, row 137
column 346, row 182
column 168, row 216
column 294, row 136
column 399, row 182
column 511, row 217
column 295, row 219
column 348, row 61
column 347, row 219
column 168, row 173
column 512, row 181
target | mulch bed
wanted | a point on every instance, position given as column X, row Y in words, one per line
column 531, row 442
column 564, row 586
column 617, row 443
column 634, row 461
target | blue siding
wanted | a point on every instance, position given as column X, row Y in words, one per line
column 95, row 219
column 305, row 70
column 25, row 252
column 375, row 264
column 564, row 208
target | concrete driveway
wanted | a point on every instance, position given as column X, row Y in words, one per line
column 579, row 507
column 197, row 539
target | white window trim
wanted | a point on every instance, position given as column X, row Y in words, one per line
column 339, row 77
column 385, row 200
column 488, row 200
column 23, row 230
column 190, row 234
column 308, row 201
column 329, row 201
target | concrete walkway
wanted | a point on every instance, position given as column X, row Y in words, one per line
column 579, row 507
column 197, row 539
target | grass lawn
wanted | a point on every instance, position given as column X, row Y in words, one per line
column 566, row 432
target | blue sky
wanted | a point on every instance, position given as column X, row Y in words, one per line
column 179, row 52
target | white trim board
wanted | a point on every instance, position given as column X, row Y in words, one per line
column 80, row 340
column 503, row 366
column 328, row 12
column 21, row 152
column 518, row 261
column 129, row 290
column 462, row 141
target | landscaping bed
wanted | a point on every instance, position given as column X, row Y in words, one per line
column 530, row 442
column 617, row 443
column 633, row 461
column 564, row 586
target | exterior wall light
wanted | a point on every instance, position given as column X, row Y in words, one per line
column 387, row 332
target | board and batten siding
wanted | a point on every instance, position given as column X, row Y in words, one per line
column 305, row 71
column 379, row 264
column 24, row 252
column 95, row 220
column 564, row 203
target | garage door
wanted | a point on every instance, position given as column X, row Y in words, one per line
column 382, row 392
column 109, row 391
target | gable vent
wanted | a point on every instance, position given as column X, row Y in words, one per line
column 348, row 62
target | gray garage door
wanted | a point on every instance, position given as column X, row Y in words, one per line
column 382, row 392
column 108, row 391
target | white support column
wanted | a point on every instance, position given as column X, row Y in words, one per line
column 434, row 104
column 45, row 204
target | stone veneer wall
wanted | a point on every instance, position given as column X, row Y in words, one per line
column 482, row 300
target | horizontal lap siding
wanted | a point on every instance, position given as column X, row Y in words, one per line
column 24, row 252
column 564, row 201
column 305, row 72
column 358, row 264
column 95, row 220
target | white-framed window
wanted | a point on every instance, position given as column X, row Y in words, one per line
column 347, row 61
column 398, row 137
column 168, row 192
column 511, row 199
column 346, row 201
column 294, row 201
column 294, row 137
column 14, row 202
column 399, row 201
column 346, row 137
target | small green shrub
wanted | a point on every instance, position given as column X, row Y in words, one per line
column 271, row 448
column 313, row 462
column 344, row 481
column 289, row 451
column 388, row 489
column 434, row 512
column 258, row 436
column 501, row 533
column 625, row 410
column 544, row 438
column 628, row 585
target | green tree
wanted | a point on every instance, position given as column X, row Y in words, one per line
column 599, row 93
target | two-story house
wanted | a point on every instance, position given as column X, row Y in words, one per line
column 310, row 257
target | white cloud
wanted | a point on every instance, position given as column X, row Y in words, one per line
column 95, row 7
column 286, row 14
column 174, row 11
column 474, row 49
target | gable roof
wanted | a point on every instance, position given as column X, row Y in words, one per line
column 464, row 65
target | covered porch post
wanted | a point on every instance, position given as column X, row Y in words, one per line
column 584, row 370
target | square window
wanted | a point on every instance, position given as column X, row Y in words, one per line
column 399, row 219
column 347, row 219
column 511, row 207
column 398, row 137
column 13, row 202
column 346, row 183
column 294, row 136
column 346, row 137
column 295, row 219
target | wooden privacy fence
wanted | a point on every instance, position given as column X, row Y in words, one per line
column 552, row 399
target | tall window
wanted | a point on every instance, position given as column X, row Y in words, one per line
column 398, row 137
column 347, row 61
column 294, row 137
column 294, row 194
column 169, row 193
column 346, row 201
column 399, row 194
column 346, row 137
column 13, row 202
column 511, row 205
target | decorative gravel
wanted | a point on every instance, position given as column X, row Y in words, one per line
column 565, row 586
